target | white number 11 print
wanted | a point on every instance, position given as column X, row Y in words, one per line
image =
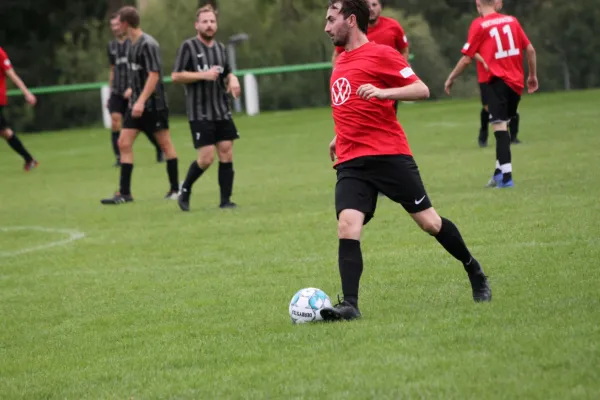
column 501, row 53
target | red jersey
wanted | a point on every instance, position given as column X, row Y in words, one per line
column 5, row 65
column 368, row 127
column 500, row 41
column 386, row 31
column 483, row 75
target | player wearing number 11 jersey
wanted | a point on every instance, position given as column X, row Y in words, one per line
column 500, row 41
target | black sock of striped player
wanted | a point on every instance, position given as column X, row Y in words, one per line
column 125, row 184
column 485, row 121
column 350, row 263
column 503, row 155
column 449, row 237
column 194, row 172
column 115, row 143
column 173, row 172
column 513, row 127
column 226, row 174
column 17, row 146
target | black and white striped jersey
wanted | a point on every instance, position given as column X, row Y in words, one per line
column 205, row 100
column 144, row 57
column 117, row 57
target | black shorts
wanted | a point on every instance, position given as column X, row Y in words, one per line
column 207, row 133
column 150, row 122
column 483, row 92
column 503, row 102
column 117, row 104
column 361, row 179
column 3, row 121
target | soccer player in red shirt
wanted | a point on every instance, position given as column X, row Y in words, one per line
column 482, row 77
column 382, row 30
column 372, row 151
column 6, row 69
column 500, row 41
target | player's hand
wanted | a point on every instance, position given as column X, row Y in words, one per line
column 332, row 149
column 532, row 84
column 448, row 86
column 233, row 87
column 369, row 91
column 137, row 110
column 30, row 99
column 127, row 94
column 212, row 74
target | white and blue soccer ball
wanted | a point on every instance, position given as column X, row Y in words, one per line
column 306, row 305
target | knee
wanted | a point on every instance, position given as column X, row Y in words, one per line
column 349, row 228
column 486, row 108
column 206, row 160
column 225, row 153
column 115, row 121
column 6, row 133
column 429, row 222
column 124, row 144
column 226, row 157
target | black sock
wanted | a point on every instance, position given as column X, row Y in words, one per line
column 125, row 186
column 513, row 127
column 351, row 266
column 485, row 121
column 226, row 174
column 192, row 176
column 173, row 173
column 115, row 143
column 450, row 238
column 503, row 154
column 152, row 140
column 17, row 146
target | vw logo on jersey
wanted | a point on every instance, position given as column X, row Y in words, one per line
column 340, row 91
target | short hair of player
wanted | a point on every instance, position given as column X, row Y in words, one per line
column 130, row 15
column 114, row 15
column 205, row 9
column 488, row 2
column 358, row 8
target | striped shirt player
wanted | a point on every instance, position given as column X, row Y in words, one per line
column 147, row 111
column 202, row 66
column 144, row 57
column 118, row 50
column 205, row 100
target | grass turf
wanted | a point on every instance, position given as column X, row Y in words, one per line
column 143, row 301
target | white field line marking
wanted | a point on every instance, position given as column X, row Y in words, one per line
column 73, row 236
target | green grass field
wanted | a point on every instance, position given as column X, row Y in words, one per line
column 143, row 301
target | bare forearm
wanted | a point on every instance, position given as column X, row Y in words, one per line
column 231, row 77
column 532, row 60
column 187, row 77
column 17, row 81
column 462, row 64
column 149, row 87
column 415, row 91
column 111, row 76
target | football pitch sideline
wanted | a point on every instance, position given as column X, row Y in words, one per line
column 144, row 301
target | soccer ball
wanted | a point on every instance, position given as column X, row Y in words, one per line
column 306, row 305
